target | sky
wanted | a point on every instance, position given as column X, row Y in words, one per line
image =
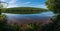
column 25, row 3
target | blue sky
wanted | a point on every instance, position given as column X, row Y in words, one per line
column 26, row 3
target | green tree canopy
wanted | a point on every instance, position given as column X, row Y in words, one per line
column 25, row 10
column 53, row 5
column 2, row 6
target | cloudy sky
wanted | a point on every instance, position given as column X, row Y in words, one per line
column 26, row 3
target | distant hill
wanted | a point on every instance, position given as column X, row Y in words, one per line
column 25, row 10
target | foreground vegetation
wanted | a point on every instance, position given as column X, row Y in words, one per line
column 4, row 26
column 54, row 6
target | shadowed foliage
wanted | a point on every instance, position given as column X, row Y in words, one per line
column 54, row 6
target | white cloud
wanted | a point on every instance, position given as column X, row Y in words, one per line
column 12, row 1
column 26, row 3
column 40, row 6
column 12, row 4
column 2, row 0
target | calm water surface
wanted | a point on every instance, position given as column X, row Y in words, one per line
column 29, row 17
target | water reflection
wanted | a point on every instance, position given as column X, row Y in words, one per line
column 43, row 14
column 29, row 17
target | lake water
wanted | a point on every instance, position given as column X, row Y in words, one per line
column 27, row 18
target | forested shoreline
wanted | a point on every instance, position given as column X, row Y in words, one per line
column 25, row 10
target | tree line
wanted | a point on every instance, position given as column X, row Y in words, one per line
column 25, row 10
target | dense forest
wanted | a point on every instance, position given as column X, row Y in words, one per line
column 25, row 10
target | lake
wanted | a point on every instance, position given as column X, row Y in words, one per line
column 29, row 18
